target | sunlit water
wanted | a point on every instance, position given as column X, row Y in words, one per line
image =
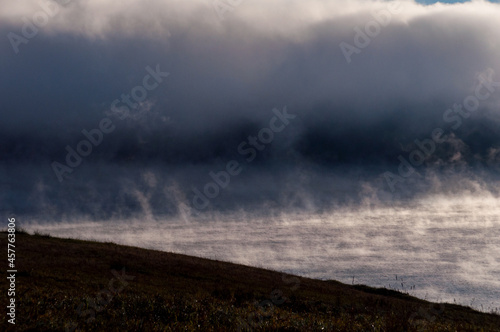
column 441, row 249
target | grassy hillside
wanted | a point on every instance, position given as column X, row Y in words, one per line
column 71, row 285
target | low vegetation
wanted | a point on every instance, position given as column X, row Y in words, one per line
column 72, row 285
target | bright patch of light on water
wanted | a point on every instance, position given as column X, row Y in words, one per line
column 439, row 248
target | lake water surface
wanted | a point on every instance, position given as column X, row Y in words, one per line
column 440, row 249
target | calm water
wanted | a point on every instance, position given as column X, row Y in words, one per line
column 448, row 249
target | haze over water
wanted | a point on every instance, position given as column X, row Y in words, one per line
column 353, row 140
column 441, row 249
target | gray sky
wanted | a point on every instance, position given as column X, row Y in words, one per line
column 365, row 79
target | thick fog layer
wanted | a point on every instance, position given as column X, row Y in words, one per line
column 161, row 107
column 349, row 140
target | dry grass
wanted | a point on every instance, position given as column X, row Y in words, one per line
column 62, row 284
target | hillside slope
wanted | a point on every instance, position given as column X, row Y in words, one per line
column 72, row 285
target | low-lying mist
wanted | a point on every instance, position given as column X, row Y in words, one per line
column 111, row 192
column 442, row 247
column 352, row 140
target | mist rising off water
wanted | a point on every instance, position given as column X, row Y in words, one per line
column 447, row 247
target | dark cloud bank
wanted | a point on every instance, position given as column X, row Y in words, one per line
column 419, row 99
